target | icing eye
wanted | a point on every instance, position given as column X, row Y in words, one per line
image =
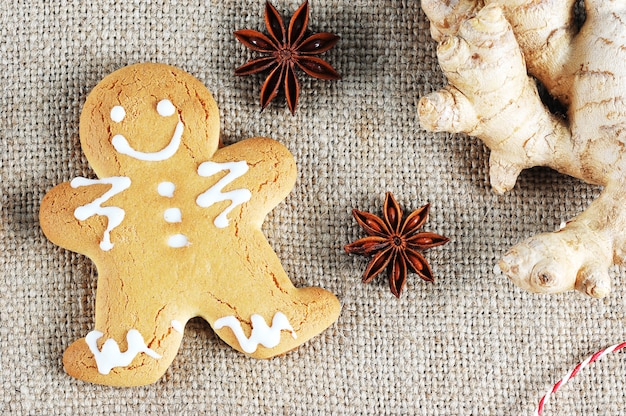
column 118, row 113
column 166, row 108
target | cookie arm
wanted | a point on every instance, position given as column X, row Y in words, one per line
column 271, row 175
column 60, row 225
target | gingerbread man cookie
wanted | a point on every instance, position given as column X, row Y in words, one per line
column 173, row 224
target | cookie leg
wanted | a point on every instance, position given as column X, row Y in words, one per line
column 256, row 309
column 277, row 323
column 134, row 342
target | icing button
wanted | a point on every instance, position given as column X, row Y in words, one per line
column 173, row 215
column 166, row 189
column 178, row 241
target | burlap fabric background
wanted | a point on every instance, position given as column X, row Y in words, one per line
column 470, row 344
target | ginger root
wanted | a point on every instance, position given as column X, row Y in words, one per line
column 493, row 53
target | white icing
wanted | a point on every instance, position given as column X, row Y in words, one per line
column 178, row 326
column 262, row 334
column 166, row 189
column 122, row 146
column 173, row 215
column 214, row 194
column 115, row 215
column 110, row 355
column 118, row 113
column 165, row 108
column 178, row 241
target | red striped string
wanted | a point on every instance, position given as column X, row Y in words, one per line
column 574, row 371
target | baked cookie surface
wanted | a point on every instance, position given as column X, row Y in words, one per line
column 173, row 224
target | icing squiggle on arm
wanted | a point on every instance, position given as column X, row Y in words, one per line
column 215, row 194
column 115, row 215
column 268, row 336
column 110, row 355
column 178, row 326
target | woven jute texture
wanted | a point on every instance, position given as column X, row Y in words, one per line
column 469, row 344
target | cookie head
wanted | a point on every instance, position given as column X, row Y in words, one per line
column 148, row 114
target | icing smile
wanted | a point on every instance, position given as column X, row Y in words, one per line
column 165, row 108
column 122, row 146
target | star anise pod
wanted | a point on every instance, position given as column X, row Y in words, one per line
column 286, row 49
column 395, row 243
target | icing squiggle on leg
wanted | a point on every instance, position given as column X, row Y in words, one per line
column 262, row 334
column 110, row 355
